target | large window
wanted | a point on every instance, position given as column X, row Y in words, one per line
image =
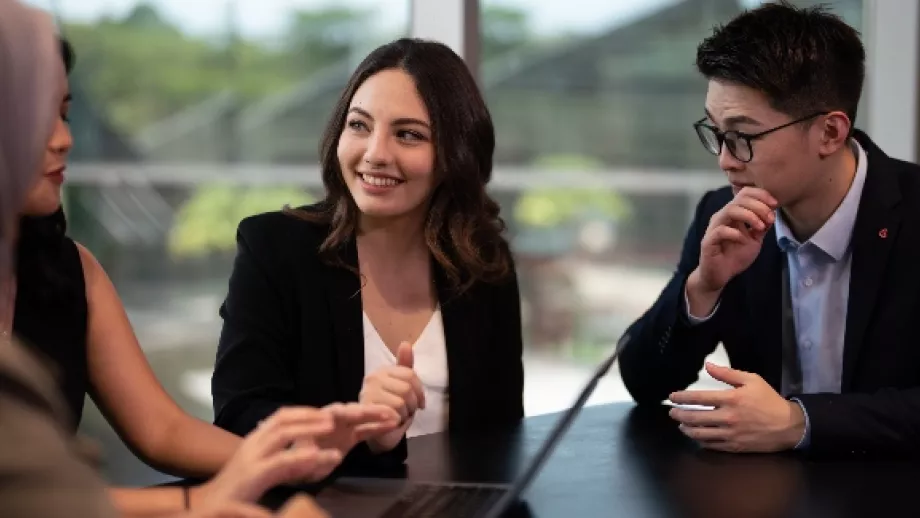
column 192, row 114
column 597, row 166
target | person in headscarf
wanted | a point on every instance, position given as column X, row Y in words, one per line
column 42, row 469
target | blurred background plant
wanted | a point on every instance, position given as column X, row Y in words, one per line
column 550, row 207
column 206, row 223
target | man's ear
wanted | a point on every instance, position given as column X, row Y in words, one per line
column 835, row 129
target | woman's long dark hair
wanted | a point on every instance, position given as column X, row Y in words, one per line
column 463, row 229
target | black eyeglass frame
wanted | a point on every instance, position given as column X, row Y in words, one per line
column 748, row 138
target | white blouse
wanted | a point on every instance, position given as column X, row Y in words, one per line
column 430, row 356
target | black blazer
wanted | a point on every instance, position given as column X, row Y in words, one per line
column 878, row 410
column 293, row 335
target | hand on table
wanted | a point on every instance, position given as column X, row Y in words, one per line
column 229, row 510
column 298, row 506
column 265, row 458
column 354, row 423
column 399, row 388
column 751, row 417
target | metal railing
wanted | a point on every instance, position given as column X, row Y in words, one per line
column 131, row 210
column 504, row 178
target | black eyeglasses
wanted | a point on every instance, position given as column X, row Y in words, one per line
column 739, row 144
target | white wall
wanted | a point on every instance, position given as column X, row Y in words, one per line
column 890, row 36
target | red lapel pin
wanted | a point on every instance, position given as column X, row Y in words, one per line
column 883, row 233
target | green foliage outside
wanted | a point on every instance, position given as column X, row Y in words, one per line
column 551, row 207
column 207, row 222
column 141, row 68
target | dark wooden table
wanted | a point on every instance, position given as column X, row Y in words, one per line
column 618, row 460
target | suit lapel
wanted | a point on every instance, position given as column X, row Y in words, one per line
column 874, row 234
column 764, row 306
column 458, row 319
column 344, row 297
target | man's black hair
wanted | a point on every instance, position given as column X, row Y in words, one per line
column 805, row 60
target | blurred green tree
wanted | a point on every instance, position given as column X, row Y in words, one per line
column 207, row 222
column 142, row 68
column 504, row 28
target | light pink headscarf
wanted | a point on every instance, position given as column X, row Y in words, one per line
column 30, row 94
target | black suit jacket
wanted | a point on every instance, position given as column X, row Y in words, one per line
column 293, row 335
column 878, row 409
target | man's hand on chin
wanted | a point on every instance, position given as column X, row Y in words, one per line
column 751, row 417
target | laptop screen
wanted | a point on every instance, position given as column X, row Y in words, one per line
column 562, row 425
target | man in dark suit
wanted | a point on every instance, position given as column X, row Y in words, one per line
column 806, row 268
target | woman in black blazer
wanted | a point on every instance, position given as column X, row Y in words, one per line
column 398, row 288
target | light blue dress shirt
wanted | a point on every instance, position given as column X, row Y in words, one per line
column 819, row 278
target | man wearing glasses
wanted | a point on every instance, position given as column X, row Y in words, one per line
column 806, row 268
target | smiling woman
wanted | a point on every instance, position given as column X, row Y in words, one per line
column 400, row 276
column 412, row 116
column 387, row 180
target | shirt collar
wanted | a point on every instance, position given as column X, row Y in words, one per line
column 833, row 238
